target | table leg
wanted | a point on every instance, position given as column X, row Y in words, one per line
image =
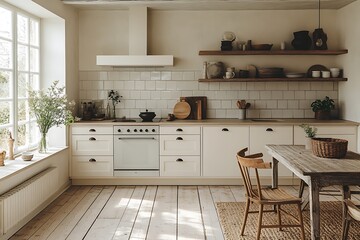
column 314, row 209
column 275, row 173
column 346, row 195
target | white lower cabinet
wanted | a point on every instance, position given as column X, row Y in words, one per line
column 91, row 151
column 220, row 145
column 179, row 166
column 262, row 135
column 348, row 133
column 92, row 166
column 180, row 149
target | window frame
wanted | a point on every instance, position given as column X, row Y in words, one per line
column 14, row 98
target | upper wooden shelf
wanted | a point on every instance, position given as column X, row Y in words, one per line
column 276, row 52
column 274, row 80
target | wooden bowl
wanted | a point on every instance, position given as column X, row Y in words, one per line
column 258, row 47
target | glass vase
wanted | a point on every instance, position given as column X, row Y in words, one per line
column 43, row 143
column 114, row 113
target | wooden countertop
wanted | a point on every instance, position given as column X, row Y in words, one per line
column 230, row 121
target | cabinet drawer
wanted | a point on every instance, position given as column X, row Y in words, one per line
column 180, row 145
column 92, row 130
column 92, row 145
column 178, row 166
column 180, row 130
column 92, row 166
column 331, row 130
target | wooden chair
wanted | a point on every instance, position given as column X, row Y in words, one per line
column 352, row 213
column 265, row 196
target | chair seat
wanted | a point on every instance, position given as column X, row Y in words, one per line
column 277, row 195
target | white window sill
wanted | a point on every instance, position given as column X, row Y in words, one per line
column 13, row 167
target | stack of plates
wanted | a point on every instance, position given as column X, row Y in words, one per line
column 271, row 72
column 295, row 75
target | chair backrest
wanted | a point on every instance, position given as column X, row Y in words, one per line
column 256, row 162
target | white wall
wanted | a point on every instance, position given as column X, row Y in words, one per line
column 349, row 37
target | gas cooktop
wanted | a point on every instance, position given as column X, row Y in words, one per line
column 135, row 120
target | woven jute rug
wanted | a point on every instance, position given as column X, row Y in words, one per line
column 231, row 217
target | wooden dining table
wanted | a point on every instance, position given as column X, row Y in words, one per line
column 317, row 173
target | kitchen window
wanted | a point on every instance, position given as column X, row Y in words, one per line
column 19, row 71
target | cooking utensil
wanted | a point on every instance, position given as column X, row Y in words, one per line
column 147, row 116
column 271, row 72
column 252, row 71
column 182, row 110
column 247, row 105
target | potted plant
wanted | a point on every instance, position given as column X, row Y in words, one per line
column 322, row 108
column 50, row 108
column 310, row 132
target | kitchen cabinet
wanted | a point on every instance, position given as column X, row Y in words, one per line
column 348, row 133
column 91, row 151
column 220, row 145
column 274, row 53
column 180, row 151
column 270, row 134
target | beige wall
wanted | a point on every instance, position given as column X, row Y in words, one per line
column 349, row 35
column 184, row 33
column 70, row 15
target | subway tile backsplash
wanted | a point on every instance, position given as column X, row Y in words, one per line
column 159, row 91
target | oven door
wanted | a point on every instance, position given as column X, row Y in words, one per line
column 134, row 152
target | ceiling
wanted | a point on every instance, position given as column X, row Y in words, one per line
column 210, row 4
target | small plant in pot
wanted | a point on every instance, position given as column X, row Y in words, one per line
column 310, row 132
column 322, row 108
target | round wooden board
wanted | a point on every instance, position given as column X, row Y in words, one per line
column 182, row 110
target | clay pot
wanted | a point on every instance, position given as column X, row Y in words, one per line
column 302, row 40
column 323, row 115
column 147, row 116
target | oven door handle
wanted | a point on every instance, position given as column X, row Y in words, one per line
column 141, row 138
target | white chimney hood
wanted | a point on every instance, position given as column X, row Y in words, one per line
column 137, row 45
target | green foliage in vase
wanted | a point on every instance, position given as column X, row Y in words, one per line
column 51, row 107
column 309, row 131
column 326, row 104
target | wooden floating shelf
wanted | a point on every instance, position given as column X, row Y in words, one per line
column 274, row 80
column 276, row 52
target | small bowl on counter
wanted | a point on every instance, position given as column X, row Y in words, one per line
column 27, row 156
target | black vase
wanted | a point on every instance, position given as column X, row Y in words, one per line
column 320, row 39
column 302, row 40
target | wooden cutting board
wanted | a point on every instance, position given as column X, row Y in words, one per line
column 194, row 106
column 182, row 109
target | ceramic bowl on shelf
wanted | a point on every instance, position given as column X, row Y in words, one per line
column 261, row 47
column 27, row 156
column 295, row 75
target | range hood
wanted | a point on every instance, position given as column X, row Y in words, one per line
column 137, row 45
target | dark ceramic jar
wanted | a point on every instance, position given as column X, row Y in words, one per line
column 147, row 116
column 302, row 40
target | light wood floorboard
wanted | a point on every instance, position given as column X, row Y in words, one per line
column 138, row 213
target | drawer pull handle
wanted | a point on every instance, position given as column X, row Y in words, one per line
column 179, row 138
column 92, row 160
column 179, row 160
column 225, row 130
column 269, row 130
column 92, row 139
column 179, row 130
column 92, row 130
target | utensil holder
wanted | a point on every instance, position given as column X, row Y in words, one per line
column 242, row 114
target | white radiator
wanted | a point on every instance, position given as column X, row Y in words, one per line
column 20, row 201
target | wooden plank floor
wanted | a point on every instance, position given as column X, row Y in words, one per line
column 136, row 212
